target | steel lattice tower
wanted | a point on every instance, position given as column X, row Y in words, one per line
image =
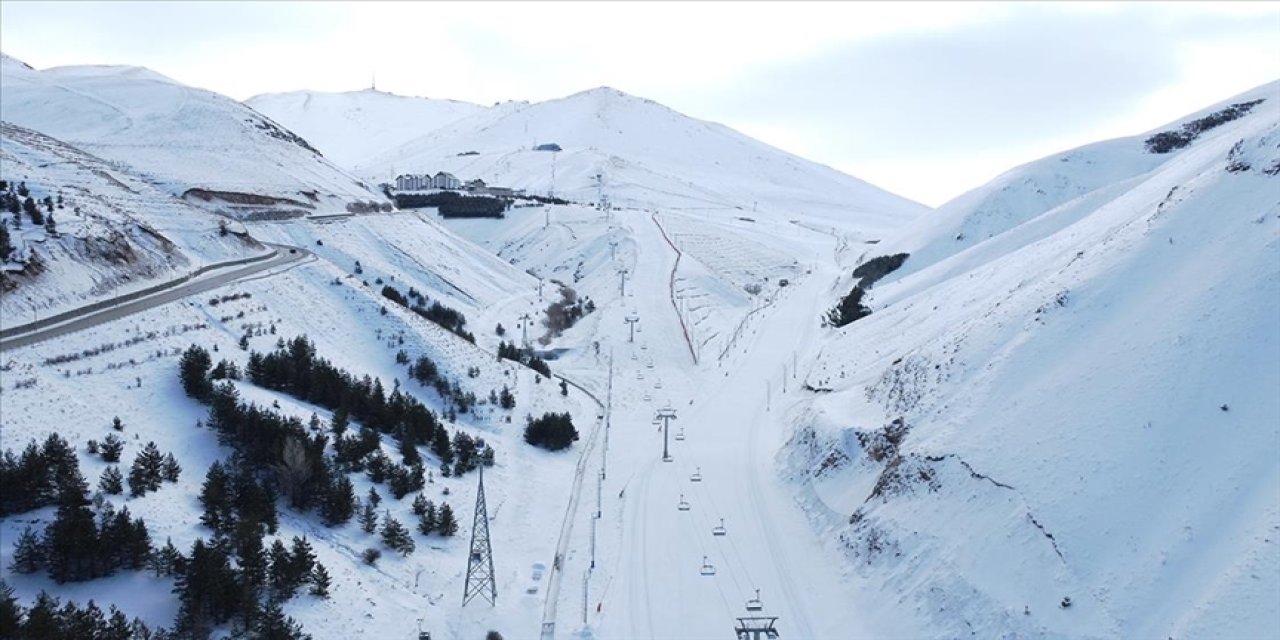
column 480, row 563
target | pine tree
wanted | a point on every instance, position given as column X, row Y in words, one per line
column 302, row 560
column 42, row 618
column 6, row 244
column 428, row 520
column 168, row 560
column 320, row 581
column 419, row 504
column 507, row 399
column 170, row 469
column 147, row 471
column 33, row 211
column 283, row 584
column 373, row 497
column 448, row 525
column 111, row 447
column 112, row 481
column 10, row 611
column 217, row 499
column 369, row 518
column 28, row 553
column 339, row 503
column 117, row 627
column 71, row 542
column 396, row 536
column 275, row 625
column 193, row 370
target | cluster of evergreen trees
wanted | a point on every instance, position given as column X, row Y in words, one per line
column 1167, row 141
column 454, row 205
column 80, row 544
column 425, row 371
column 239, row 581
column 49, row 618
column 38, row 476
column 432, row 520
column 524, row 357
column 849, row 308
column 17, row 200
column 878, row 267
column 447, row 317
column 553, row 431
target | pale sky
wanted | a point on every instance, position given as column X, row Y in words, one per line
column 924, row 99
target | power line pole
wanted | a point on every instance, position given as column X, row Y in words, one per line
column 666, row 415
column 480, row 575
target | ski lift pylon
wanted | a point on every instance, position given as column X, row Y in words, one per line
column 719, row 529
column 755, row 604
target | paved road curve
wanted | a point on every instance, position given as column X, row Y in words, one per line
column 131, row 303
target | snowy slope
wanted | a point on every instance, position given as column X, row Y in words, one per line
column 129, row 368
column 1089, row 412
column 192, row 143
column 114, row 232
column 1069, row 184
column 351, row 128
column 647, row 156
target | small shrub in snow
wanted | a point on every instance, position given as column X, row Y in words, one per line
column 552, row 431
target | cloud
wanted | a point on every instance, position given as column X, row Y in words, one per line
column 1006, row 90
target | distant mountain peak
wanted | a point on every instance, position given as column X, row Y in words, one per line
column 9, row 60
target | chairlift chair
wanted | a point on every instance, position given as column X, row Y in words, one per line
column 755, row 604
column 707, row 568
column 719, row 529
column 680, row 434
column 697, row 475
column 683, row 505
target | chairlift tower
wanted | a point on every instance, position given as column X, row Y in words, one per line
column 631, row 321
column 666, row 415
column 524, row 327
column 480, row 575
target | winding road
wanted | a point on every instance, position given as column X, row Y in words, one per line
column 203, row 279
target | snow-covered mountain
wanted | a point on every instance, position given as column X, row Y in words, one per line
column 351, row 128
column 1070, row 184
column 112, row 231
column 196, row 144
column 1064, row 423
column 637, row 153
